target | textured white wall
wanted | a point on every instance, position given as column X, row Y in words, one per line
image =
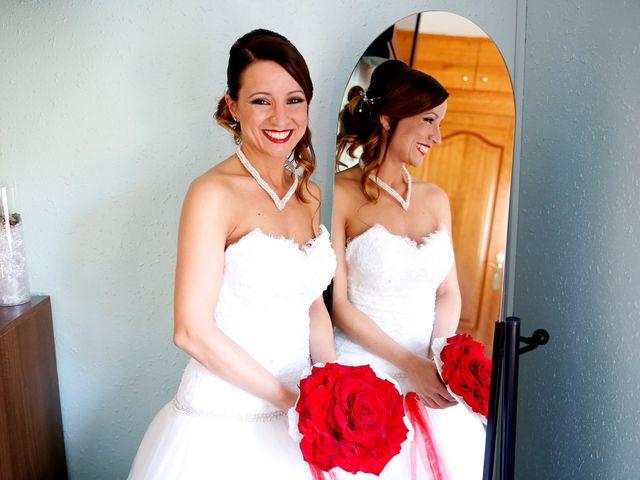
column 106, row 116
column 578, row 263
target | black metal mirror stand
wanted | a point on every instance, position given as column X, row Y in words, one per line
column 499, row 453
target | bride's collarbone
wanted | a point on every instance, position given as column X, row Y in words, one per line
column 296, row 228
column 414, row 225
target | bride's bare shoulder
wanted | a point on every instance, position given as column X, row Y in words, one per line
column 432, row 196
column 219, row 181
column 224, row 171
column 348, row 179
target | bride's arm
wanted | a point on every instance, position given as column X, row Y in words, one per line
column 321, row 333
column 321, row 341
column 352, row 321
column 448, row 300
column 201, row 242
column 365, row 332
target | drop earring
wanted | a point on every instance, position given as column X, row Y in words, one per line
column 290, row 163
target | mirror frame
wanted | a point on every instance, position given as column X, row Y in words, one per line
column 494, row 466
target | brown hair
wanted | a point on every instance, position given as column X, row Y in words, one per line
column 396, row 91
column 259, row 45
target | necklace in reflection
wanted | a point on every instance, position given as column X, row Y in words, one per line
column 404, row 202
column 279, row 202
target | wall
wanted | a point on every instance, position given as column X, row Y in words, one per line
column 577, row 263
column 106, row 117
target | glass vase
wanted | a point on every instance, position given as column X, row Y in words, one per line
column 14, row 281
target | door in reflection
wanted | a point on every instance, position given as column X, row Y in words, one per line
column 473, row 163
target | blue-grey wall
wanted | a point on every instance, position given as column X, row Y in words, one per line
column 578, row 252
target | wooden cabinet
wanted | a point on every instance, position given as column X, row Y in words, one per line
column 31, row 442
column 459, row 63
column 473, row 164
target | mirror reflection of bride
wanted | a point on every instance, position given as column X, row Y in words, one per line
column 396, row 286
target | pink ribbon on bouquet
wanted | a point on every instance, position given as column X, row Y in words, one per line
column 318, row 474
column 423, row 440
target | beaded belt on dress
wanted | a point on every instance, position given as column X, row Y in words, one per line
column 245, row 417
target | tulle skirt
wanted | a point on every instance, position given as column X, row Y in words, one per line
column 459, row 436
column 183, row 446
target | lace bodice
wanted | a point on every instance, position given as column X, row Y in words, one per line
column 267, row 288
column 393, row 280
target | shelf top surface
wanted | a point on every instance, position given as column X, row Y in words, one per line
column 8, row 315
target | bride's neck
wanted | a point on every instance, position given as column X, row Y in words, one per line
column 391, row 173
column 270, row 169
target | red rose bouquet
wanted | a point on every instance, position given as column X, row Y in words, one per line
column 348, row 417
column 465, row 371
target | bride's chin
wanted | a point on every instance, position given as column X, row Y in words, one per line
column 414, row 163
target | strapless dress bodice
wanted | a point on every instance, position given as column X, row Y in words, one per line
column 393, row 280
column 267, row 288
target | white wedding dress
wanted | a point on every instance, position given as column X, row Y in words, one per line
column 214, row 430
column 393, row 280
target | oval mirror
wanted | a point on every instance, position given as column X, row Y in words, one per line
column 466, row 158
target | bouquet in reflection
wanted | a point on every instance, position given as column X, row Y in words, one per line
column 347, row 417
column 465, row 371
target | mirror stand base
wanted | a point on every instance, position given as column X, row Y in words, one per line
column 501, row 422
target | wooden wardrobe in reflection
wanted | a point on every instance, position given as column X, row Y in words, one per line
column 473, row 164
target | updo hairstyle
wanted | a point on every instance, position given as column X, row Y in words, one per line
column 396, row 91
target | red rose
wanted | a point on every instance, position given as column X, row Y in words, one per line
column 349, row 418
column 467, row 371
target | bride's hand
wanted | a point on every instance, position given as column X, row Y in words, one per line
column 423, row 375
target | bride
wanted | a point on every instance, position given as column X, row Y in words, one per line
column 395, row 287
column 252, row 263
